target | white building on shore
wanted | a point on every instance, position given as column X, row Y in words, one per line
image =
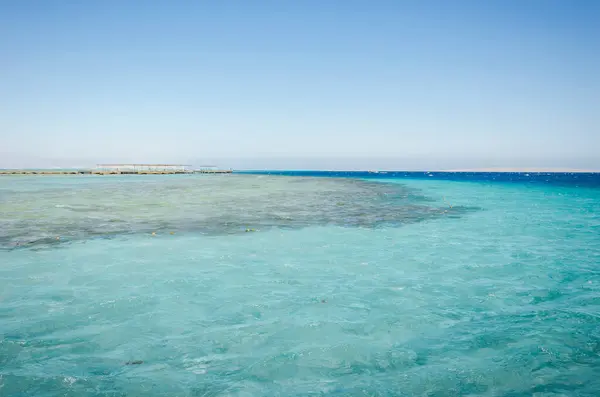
column 144, row 167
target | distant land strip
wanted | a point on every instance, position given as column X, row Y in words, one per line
column 96, row 172
column 517, row 169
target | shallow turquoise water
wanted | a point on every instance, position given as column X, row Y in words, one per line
column 347, row 287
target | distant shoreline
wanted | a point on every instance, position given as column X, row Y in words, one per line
column 472, row 170
column 100, row 172
column 372, row 171
column 521, row 170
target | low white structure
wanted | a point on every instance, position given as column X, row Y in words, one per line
column 206, row 168
column 143, row 167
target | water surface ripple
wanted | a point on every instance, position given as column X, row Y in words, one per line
column 346, row 288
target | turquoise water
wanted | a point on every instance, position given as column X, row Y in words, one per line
column 293, row 286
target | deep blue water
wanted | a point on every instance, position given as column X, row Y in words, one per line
column 356, row 284
column 583, row 179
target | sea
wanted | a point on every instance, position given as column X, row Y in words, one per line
column 300, row 284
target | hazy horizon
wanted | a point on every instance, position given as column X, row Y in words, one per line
column 319, row 163
column 310, row 85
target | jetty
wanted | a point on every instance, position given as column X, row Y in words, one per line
column 125, row 169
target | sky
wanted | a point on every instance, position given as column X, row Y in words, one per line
column 301, row 84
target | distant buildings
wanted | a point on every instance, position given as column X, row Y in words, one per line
column 144, row 168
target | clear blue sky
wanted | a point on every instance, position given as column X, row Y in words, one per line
column 418, row 83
